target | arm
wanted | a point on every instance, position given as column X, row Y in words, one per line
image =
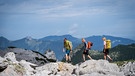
column 104, row 44
column 70, row 47
column 85, row 46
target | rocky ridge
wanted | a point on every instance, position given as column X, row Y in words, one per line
column 31, row 56
column 9, row 66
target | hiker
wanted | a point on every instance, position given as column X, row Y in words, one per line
column 68, row 48
column 85, row 50
column 106, row 50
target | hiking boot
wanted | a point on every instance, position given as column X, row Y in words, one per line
column 69, row 61
column 111, row 60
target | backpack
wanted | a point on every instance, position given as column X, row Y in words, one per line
column 70, row 44
column 89, row 44
column 67, row 43
column 108, row 44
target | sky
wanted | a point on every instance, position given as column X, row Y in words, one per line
column 79, row 18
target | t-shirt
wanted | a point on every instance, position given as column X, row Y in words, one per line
column 66, row 45
column 85, row 45
column 104, row 42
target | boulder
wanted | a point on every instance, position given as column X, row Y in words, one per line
column 129, row 69
column 50, row 55
column 28, row 67
column 28, row 55
column 3, row 64
column 59, row 68
column 98, row 67
column 12, row 70
column 10, row 56
column 9, row 66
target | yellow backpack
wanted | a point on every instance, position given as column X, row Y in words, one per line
column 66, row 44
column 108, row 44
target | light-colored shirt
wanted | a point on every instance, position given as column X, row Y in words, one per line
column 104, row 42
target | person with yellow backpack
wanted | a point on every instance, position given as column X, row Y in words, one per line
column 68, row 49
column 107, row 46
column 86, row 48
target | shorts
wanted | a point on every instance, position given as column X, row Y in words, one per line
column 106, row 51
column 68, row 52
column 86, row 53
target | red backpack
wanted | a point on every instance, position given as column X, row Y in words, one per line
column 89, row 44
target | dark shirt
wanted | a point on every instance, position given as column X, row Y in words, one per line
column 85, row 46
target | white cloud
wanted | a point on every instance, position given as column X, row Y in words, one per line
column 60, row 9
column 73, row 29
column 57, row 32
column 108, row 13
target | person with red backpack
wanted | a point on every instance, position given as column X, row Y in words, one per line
column 86, row 48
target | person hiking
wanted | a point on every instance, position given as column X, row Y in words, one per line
column 68, row 48
column 85, row 50
column 106, row 50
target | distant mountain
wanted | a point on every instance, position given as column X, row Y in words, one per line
column 57, row 38
column 27, row 43
column 3, row 42
column 55, row 43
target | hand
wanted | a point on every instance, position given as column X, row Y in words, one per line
column 104, row 50
column 63, row 50
column 84, row 50
column 71, row 51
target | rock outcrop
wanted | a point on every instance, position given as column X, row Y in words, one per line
column 128, row 69
column 99, row 67
column 9, row 66
column 28, row 55
column 50, row 55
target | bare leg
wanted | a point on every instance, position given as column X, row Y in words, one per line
column 69, row 58
column 83, row 57
column 105, row 56
column 89, row 57
column 109, row 57
column 66, row 57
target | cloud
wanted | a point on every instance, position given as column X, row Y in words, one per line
column 73, row 29
column 51, row 8
column 107, row 13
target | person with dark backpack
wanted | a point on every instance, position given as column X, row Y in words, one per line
column 86, row 48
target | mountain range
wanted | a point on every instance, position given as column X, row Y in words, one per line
column 55, row 43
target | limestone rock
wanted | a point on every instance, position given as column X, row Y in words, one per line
column 50, row 55
column 98, row 67
column 87, row 68
column 10, row 56
column 128, row 69
column 28, row 55
column 3, row 64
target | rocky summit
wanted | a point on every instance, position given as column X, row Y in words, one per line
column 9, row 66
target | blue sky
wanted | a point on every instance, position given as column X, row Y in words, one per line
column 80, row 18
